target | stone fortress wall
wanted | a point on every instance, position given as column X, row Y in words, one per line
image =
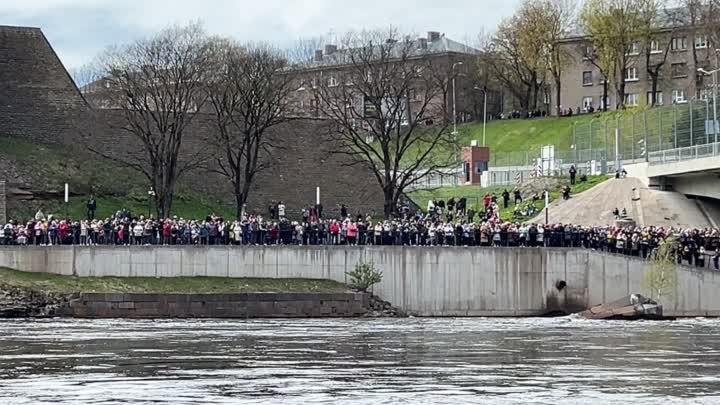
column 40, row 104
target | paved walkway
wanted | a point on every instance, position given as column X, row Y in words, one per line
column 645, row 206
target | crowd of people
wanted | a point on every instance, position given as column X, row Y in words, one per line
column 446, row 223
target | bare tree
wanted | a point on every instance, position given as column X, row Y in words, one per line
column 543, row 24
column 157, row 85
column 387, row 109
column 249, row 94
column 518, row 70
column 657, row 20
column 616, row 27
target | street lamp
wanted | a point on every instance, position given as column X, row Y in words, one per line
column 484, row 111
column 455, row 132
column 713, row 73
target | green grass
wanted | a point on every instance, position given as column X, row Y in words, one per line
column 184, row 206
column 49, row 167
column 180, row 285
column 475, row 194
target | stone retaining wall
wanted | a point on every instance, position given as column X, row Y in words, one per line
column 245, row 305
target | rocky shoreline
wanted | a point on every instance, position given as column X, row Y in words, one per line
column 18, row 302
column 377, row 308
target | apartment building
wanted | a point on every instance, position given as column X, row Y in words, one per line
column 450, row 59
column 682, row 47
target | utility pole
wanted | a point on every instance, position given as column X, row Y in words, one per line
column 713, row 73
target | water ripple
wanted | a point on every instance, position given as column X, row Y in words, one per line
column 395, row 361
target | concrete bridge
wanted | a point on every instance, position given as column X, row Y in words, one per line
column 693, row 171
column 422, row 281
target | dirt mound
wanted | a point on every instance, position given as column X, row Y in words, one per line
column 643, row 205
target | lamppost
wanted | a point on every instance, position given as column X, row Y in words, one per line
column 713, row 73
column 151, row 196
column 484, row 111
column 455, row 132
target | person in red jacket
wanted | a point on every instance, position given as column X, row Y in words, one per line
column 63, row 230
column 334, row 233
column 166, row 232
column 352, row 230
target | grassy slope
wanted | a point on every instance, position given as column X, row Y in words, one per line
column 475, row 194
column 115, row 186
column 68, row 284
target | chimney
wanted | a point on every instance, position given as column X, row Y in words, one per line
column 318, row 55
column 330, row 49
column 422, row 43
column 433, row 36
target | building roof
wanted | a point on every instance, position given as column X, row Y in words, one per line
column 668, row 18
column 437, row 45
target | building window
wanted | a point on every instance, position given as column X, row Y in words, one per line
column 701, row 42
column 314, row 83
column 631, row 74
column 679, row 70
column 658, row 98
column 655, row 47
column 301, row 105
column 332, row 81
column 679, row 96
column 631, row 99
column 634, row 49
column 587, row 79
column 588, row 52
column 587, row 103
column 678, row 44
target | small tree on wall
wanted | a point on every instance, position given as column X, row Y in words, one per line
column 364, row 276
column 661, row 279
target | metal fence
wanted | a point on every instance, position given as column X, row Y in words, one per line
column 687, row 153
column 639, row 133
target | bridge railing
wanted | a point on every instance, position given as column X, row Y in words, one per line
column 683, row 154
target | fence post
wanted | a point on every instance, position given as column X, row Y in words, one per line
column 606, row 139
column 575, row 146
column 675, row 140
column 591, row 137
column 692, row 118
column 647, row 147
column 660, row 130
column 632, row 138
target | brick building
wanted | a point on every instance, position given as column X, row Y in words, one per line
column 687, row 51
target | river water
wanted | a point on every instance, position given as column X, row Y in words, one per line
column 389, row 361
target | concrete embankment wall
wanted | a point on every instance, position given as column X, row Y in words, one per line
column 243, row 305
column 422, row 281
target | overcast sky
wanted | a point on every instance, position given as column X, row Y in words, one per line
column 80, row 29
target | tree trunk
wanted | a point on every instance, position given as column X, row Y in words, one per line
column 558, row 84
column 239, row 200
column 605, row 96
column 389, row 207
column 621, row 95
column 654, row 80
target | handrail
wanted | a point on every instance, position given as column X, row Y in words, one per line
column 683, row 154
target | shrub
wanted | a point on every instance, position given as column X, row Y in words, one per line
column 364, row 276
column 661, row 278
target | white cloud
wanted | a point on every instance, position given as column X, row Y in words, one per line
column 80, row 28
